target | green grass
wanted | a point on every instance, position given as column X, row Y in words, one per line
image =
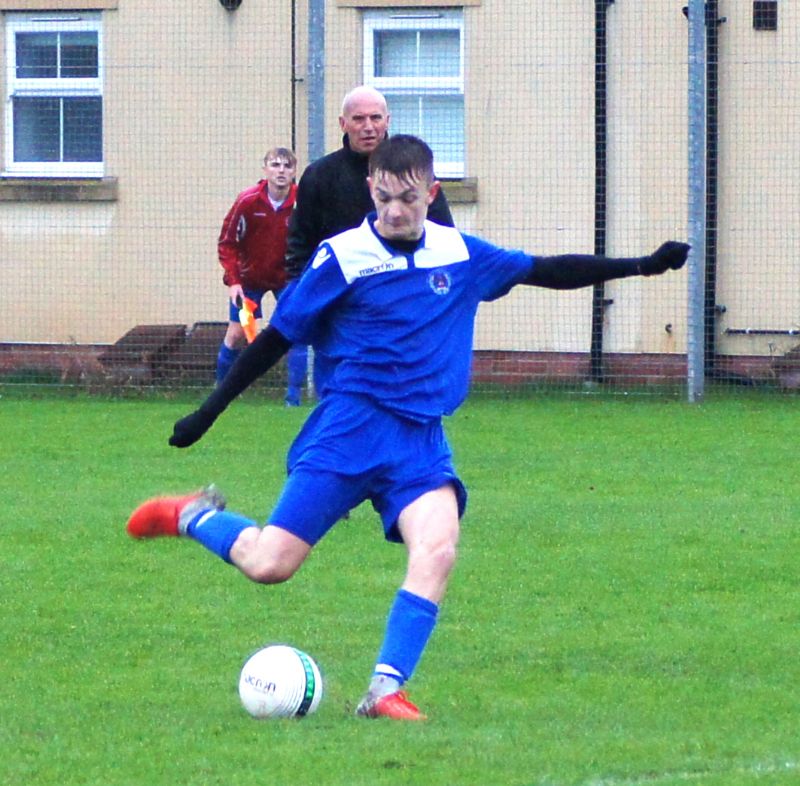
column 624, row 611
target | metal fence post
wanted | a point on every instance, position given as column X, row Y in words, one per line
column 697, row 201
column 316, row 111
column 316, row 79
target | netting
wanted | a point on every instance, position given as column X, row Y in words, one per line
column 130, row 129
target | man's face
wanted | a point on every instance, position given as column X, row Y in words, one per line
column 365, row 122
column 279, row 173
column 402, row 205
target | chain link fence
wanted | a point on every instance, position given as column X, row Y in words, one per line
column 602, row 127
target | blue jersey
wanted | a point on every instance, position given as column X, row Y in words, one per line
column 398, row 327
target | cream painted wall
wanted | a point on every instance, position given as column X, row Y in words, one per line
column 759, row 276
column 647, row 164
column 192, row 100
column 531, row 146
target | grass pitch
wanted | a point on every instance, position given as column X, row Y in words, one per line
column 624, row 611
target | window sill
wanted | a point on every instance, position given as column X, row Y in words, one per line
column 460, row 191
column 57, row 5
column 403, row 3
column 56, row 189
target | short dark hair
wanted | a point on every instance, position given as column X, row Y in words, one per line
column 403, row 155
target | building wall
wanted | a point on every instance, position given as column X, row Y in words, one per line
column 195, row 94
column 193, row 98
column 759, row 200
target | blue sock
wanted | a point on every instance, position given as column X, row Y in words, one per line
column 409, row 626
column 217, row 530
column 225, row 359
column 297, row 367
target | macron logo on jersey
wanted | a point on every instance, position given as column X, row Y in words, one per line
column 396, row 263
column 320, row 257
column 360, row 254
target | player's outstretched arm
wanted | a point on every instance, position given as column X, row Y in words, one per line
column 572, row 271
column 260, row 356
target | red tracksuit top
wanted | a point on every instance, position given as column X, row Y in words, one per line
column 252, row 243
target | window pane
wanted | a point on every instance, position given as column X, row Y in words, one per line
column 37, row 55
column 395, row 53
column 83, row 129
column 404, row 111
column 412, row 53
column 443, row 126
column 439, row 53
column 36, row 129
column 439, row 120
column 79, row 55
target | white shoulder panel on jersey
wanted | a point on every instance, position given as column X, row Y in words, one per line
column 443, row 246
column 359, row 254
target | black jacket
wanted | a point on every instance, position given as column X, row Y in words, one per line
column 333, row 196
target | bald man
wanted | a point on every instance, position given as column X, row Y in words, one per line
column 333, row 195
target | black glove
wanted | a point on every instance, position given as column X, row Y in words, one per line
column 188, row 430
column 669, row 256
column 256, row 358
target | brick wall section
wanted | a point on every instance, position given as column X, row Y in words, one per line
column 76, row 363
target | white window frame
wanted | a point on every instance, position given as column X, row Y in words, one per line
column 46, row 22
column 416, row 19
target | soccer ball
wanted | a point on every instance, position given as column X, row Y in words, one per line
column 280, row 682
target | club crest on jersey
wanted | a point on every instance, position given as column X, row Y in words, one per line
column 439, row 281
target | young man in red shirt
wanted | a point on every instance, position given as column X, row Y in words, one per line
column 252, row 247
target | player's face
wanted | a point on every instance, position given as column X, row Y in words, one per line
column 365, row 122
column 402, row 205
column 279, row 174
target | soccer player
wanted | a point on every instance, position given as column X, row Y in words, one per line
column 333, row 195
column 251, row 248
column 393, row 303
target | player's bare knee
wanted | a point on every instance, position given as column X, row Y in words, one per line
column 257, row 563
column 234, row 336
column 435, row 559
column 271, row 572
column 268, row 555
column 445, row 557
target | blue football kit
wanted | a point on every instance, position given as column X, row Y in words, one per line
column 398, row 327
column 395, row 329
column 393, row 323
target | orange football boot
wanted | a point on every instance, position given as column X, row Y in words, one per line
column 160, row 515
column 395, row 706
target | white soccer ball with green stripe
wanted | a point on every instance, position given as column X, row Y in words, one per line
column 280, row 682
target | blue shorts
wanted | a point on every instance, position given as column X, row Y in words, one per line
column 255, row 295
column 350, row 450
